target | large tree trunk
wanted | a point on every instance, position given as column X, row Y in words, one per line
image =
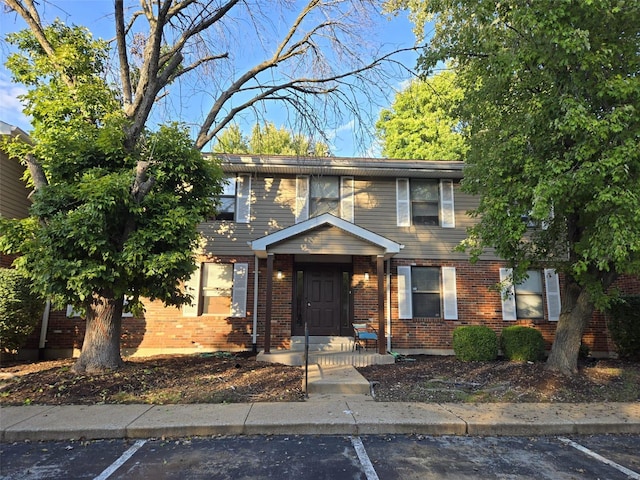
column 577, row 309
column 101, row 346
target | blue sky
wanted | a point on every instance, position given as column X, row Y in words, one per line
column 96, row 15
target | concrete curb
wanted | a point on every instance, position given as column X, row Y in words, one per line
column 322, row 415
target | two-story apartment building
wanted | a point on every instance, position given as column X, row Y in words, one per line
column 328, row 242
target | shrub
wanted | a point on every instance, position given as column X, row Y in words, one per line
column 20, row 309
column 522, row 344
column 475, row 343
column 624, row 326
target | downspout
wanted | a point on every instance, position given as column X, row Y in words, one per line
column 254, row 333
column 388, row 305
column 43, row 330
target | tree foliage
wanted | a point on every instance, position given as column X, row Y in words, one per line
column 552, row 100
column 421, row 124
column 20, row 309
column 108, row 221
column 268, row 140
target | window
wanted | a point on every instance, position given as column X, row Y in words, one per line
column 529, row 296
column 424, row 202
column 526, row 299
column 425, row 287
column 218, row 289
column 427, row 292
column 317, row 195
column 227, row 201
column 235, row 199
column 217, row 281
column 324, row 196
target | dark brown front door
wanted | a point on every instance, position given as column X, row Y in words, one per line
column 322, row 300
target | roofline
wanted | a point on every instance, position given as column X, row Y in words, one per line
column 261, row 245
column 12, row 130
column 374, row 167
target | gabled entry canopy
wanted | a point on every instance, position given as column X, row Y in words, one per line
column 299, row 238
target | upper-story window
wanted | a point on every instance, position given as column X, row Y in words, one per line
column 424, row 202
column 235, row 199
column 316, row 195
column 525, row 300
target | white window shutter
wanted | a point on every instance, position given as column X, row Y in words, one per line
column 450, row 296
column 302, row 198
column 192, row 287
column 346, row 198
column 239, row 294
column 403, row 204
column 508, row 294
column 447, row 208
column 552, row 284
column 243, row 198
column 405, row 307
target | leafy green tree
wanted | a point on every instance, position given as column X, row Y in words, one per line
column 231, row 140
column 421, row 123
column 268, row 140
column 552, row 100
column 108, row 221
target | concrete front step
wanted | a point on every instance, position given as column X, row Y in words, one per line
column 323, row 343
column 336, row 379
column 293, row 357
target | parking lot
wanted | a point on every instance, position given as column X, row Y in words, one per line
column 328, row 457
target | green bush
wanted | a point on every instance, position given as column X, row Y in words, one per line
column 475, row 343
column 20, row 309
column 624, row 326
column 522, row 344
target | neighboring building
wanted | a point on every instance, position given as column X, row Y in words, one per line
column 14, row 202
column 335, row 241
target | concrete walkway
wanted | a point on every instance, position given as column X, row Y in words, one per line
column 321, row 414
column 339, row 403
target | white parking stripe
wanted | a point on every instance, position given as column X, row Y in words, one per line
column 591, row 453
column 123, row 458
column 367, row 466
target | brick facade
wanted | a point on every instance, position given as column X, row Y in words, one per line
column 167, row 330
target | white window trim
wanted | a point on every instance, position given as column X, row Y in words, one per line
column 405, row 293
column 508, row 294
column 243, row 199
column 447, row 207
column 403, row 202
column 192, row 287
column 347, row 198
column 302, row 198
column 449, row 293
column 239, row 290
column 552, row 288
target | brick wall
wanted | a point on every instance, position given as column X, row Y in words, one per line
column 166, row 330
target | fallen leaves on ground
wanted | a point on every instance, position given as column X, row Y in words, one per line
column 239, row 378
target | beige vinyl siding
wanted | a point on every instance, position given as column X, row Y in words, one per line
column 376, row 200
column 273, row 203
column 13, row 192
column 327, row 240
column 273, row 208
